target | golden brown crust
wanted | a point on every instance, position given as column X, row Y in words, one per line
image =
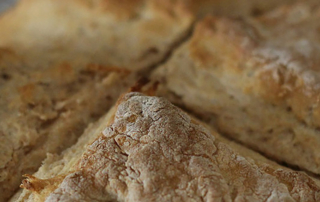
column 47, row 114
column 123, row 9
column 77, row 29
column 41, row 187
column 49, row 51
column 258, row 75
column 294, row 78
column 231, row 8
column 62, row 65
column 56, row 167
column 155, row 152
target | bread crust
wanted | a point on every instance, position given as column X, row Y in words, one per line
column 104, row 31
column 231, row 8
column 256, row 80
column 60, row 60
column 48, row 115
column 64, row 63
column 153, row 151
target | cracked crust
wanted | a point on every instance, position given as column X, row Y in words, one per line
column 64, row 63
column 153, row 151
column 56, row 59
column 65, row 30
column 256, row 80
column 47, row 114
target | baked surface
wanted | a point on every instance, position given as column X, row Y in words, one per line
column 104, row 31
column 48, row 113
column 150, row 150
column 64, row 63
column 256, row 80
column 232, row 8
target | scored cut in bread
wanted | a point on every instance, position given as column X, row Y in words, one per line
column 256, row 80
column 146, row 149
column 64, row 63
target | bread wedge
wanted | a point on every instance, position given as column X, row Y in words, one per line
column 256, row 80
column 146, row 149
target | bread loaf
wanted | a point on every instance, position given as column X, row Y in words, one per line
column 254, row 78
column 150, row 150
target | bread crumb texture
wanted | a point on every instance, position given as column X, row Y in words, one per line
column 153, row 151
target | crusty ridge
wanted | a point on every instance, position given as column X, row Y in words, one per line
column 256, row 80
column 71, row 40
column 153, row 151
column 48, row 115
column 64, row 66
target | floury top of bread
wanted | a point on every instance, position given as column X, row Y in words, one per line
column 146, row 149
column 257, row 80
column 64, row 63
column 293, row 55
column 104, row 31
column 48, row 113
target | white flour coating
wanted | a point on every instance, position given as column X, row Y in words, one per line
column 155, row 152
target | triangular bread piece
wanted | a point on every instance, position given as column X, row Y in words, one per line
column 146, row 149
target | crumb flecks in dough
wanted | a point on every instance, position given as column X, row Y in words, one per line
column 256, row 80
column 153, row 151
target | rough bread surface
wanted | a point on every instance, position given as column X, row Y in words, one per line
column 256, row 80
column 131, row 34
column 47, row 114
column 64, row 63
column 153, row 151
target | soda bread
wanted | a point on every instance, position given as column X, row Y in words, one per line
column 64, row 63
column 150, row 150
column 103, row 31
column 256, row 80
